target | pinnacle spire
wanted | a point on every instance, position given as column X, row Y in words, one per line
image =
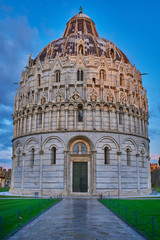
column 80, row 9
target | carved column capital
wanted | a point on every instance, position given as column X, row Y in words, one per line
column 41, row 152
column 119, row 153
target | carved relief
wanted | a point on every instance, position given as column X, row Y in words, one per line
column 75, row 97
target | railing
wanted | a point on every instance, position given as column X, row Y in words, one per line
column 10, row 224
column 149, row 228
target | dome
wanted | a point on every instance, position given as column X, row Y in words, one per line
column 81, row 28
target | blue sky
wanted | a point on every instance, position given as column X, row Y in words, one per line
column 28, row 26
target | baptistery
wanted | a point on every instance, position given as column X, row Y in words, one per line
column 80, row 119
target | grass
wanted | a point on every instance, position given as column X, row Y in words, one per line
column 138, row 213
column 26, row 209
column 4, row 189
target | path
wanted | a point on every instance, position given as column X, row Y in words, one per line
column 70, row 219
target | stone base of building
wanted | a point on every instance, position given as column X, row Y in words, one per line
column 53, row 193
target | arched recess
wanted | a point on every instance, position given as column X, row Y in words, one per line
column 128, row 164
column 107, row 171
column 81, row 165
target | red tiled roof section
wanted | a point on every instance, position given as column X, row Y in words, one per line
column 124, row 56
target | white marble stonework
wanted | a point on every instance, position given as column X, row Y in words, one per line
column 79, row 97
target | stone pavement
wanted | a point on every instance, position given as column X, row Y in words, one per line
column 85, row 219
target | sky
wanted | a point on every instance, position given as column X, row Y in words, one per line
column 28, row 26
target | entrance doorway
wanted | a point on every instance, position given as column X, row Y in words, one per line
column 80, row 177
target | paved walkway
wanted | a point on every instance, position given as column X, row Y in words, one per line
column 70, row 219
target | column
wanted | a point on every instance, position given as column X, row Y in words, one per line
column 119, row 172
column 102, row 118
column 65, row 171
column 35, row 124
column 136, row 124
column 75, row 118
column 85, row 118
column 66, row 125
column 23, row 164
column 21, row 126
column 42, row 120
column 14, row 133
column 138, row 179
column 50, row 120
column 149, row 173
column 124, row 122
column 25, row 119
column 41, row 152
column 30, row 122
column 13, row 172
column 130, row 122
column 117, row 115
column 17, row 127
column 93, row 118
column 93, row 173
column 110, row 125
column 57, row 118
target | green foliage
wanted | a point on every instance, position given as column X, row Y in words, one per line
column 138, row 213
column 4, row 189
column 27, row 208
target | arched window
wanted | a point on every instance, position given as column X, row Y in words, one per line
column 106, row 155
column 80, row 49
column 120, row 116
column 80, row 75
column 80, row 113
column 39, row 80
column 128, row 152
column 53, row 155
column 102, row 74
column 112, row 53
column 39, row 116
column 121, row 79
column 32, row 156
column 80, row 148
column 57, row 73
column 18, row 158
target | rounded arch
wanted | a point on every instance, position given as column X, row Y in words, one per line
column 18, row 142
column 143, row 145
column 75, row 139
column 29, row 140
column 52, row 138
column 132, row 141
column 111, row 139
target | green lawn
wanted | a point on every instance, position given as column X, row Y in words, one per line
column 16, row 212
column 139, row 213
column 4, row 189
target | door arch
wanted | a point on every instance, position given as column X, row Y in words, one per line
column 80, row 166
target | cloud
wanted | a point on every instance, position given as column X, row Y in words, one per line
column 6, row 154
column 17, row 41
column 154, row 156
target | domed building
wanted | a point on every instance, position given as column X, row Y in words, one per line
column 81, row 119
